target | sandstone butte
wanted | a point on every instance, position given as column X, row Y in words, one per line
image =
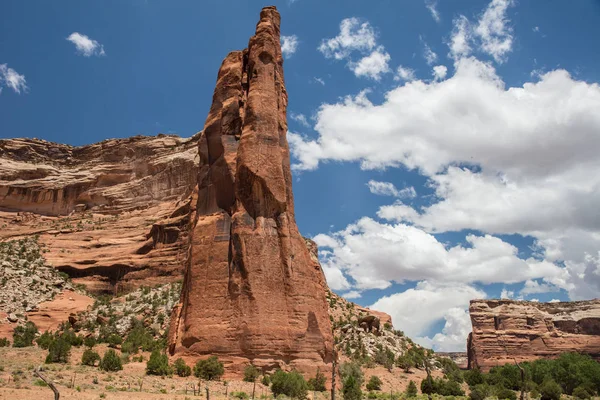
column 251, row 292
column 505, row 331
column 216, row 209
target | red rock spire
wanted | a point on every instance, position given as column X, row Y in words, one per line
column 252, row 292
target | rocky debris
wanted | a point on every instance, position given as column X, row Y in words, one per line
column 109, row 213
column 26, row 280
column 505, row 331
column 459, row 358
column 151, row 305
column 252, row 292
column 363, row 343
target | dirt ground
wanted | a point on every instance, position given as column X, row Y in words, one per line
column 17, row 380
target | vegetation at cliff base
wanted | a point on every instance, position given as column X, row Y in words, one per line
column 210, row 369
column 291, row 384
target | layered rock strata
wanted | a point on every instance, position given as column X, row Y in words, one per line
column 505, row 331
column 252, row 292
column 113, row 215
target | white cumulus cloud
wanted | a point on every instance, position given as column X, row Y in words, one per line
column 12, row 79
column 354, row 36
column 373, row 65
column 439, row 72
column 289, row 45
column 86, row 46
column 389, row 189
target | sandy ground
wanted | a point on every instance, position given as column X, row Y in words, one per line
column 125, row 384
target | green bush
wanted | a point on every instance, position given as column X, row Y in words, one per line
column 352, row 369
column 90, row 357
column 4, row 342
column 317, row 383
column 23, row 335
column 58, row 351
column 111, row 361
column 89, row 341
column 72, row 338
column 351, row 388
column 405, row 362
column 158, row 364
column 411, row 389
column 550, row 390
column 251, row 373
column 240, row 395
column 506, row 394
column 291, row 384
column 209, row 369
column 266, row 380
column 114, row 340
column 581, row 392
column 480, row 391
column 446, row 387
column 374, row 383
column 473, row 377
column 181, row 368
column 428, row 385
column 44, row 340
column 139, row 337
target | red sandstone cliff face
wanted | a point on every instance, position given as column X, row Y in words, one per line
column 506, row 330
column 113, row 215
column 252, row 292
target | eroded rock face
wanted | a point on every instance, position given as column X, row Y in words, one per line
column 507, row 330
column 252, row 291
column 113, row 215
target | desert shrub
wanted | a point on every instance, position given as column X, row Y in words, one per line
column 158, row 364
column 44, row 340
column 89, row 357
column 71, row 337
column 550, row 390
column 450, row 370
column 291, row 384
column 89, row 341
column 581, row 392
column 111, row 361
column 428, row 385
column 181, row 368
column 318, row 382
column 139, row 337
column 473, row 377
column 209, row 369
column 506, row 394
column 480, row 391
column 266, row 380
column 508, row 376
column 385, row 357
column 411, row 389
column 114, row 340
column 4, row 342
column 58, row 351
column 23, row 335
column 446, row 387
column 351, row 369
column 405, row 362
column 240, row 395
column 374, row 383
column 351, row 388
column 251, row 373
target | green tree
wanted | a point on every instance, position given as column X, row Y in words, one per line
column 114, row 340
column 374, row 383
column 111, row 361
column 405, row 362
column 291, row 384
column 90, row 357
column 411, row 389
column 473, row 377
column 581, row 392
column 181, row 368
column 480, row 392
column 58, row 351
column 550, row 390
column 352, row 369
column 158, row 364
column 428, row 385
column 89, row 341
column 318, row 382
column 351, row 388
column 44, row 340
column 4, row 342
column 251, row 373
column 506, row 394
column 23, row 335
column 209, row 369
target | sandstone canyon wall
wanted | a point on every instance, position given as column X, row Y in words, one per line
column 252, row 292
column 505, row 331
column 113, row 215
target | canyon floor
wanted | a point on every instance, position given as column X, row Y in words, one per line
column 17, row 380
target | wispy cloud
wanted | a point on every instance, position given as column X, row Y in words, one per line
column 85, row 46
column 12, row 79
column 432, row 7
column 389, row 189
column 404, row 74
column 289, row 45
column 300, row 118
column 429, row 55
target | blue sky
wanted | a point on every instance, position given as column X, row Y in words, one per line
column 442, row 150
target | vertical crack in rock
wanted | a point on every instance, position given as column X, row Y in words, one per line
column 251, row 291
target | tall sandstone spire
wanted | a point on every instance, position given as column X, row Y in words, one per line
column 252, row 292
